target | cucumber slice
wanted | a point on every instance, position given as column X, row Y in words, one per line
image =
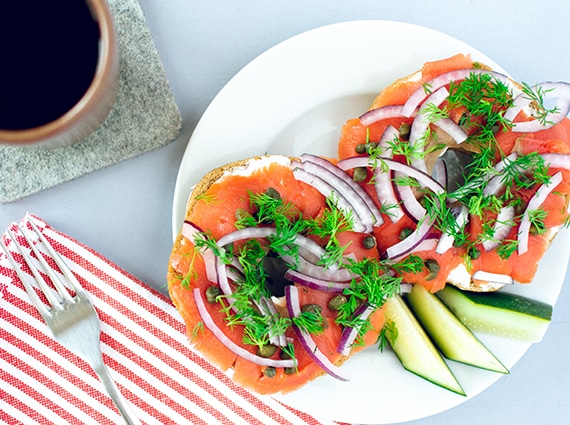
column 453, row 338
column 499, row 313
column 414, row 349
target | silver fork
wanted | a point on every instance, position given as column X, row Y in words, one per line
column 72, row 320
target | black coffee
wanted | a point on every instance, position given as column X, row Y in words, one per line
column 48, row 56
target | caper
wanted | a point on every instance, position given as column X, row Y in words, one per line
column 266, row 350
column 519, row 207
column 360, row 174
column 430, row 276
column 433, row 268
column 242, row 214
column 534, row 230
column 289, row 370
column 336, row 302
column 404, row 130
column 432, row 265
column 269, row 371
column 405, row 232
column 311, row 308
column 273, row 193
column 360, row 148
column 369, row 242
column 212, row 294
column 370, row 146
column 283, row 355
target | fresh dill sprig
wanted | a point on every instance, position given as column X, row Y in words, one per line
column 208, row 198
column 410, row 264
column 537, row 96
column 445, row 216
column 311, row 322
column 197, row 330
column 422, row 147
column 507, row 247
column 433, row 113
column 389, row 334
column 536, row 218
column 484, row 99
column 327, row 227
column 374, row 285
column 204, row 240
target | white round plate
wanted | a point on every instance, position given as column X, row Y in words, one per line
column 294, row 98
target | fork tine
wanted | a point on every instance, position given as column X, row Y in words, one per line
column 63, row 292
column 36, row 301
column 71, row 279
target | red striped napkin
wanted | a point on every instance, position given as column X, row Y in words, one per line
column 144, row 345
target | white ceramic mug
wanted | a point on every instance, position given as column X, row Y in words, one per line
column 59, row 71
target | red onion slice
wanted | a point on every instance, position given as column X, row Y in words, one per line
column 294, row 309
column 328, row 191
column 319, row 272
column 423, row 178
column 359, row 200
column 495, row 180
column 232, row 346
column 349, row 334
column 452, row 129
column 189, row 231
column 407, row 245
column 418, row 96
column 519, row 103
column 246, row 233
column 557, row 160
column 382, row 113
column 560, row 90
column 502, row 227
column 410, row 203
column 428, row 244
column 390, row 134
column 421, row 124
column 264, row 232
column 316, row 283
column 499, row 278
column 385, row 191
column 439, row 172
column 267, row 308
column 533, row 204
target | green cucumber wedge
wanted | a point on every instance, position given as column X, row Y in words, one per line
column 454, row 340
column 499, row 313
column 413, row 347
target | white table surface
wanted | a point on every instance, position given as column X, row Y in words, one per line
column 124, row 211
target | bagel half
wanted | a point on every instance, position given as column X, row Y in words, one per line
column 212, row 208
column 443, row 148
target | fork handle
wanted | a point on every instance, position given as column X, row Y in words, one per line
column 120, row 401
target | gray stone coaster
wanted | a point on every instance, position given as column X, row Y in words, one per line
column 144, row 117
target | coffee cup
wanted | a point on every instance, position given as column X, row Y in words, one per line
column 59, row 71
